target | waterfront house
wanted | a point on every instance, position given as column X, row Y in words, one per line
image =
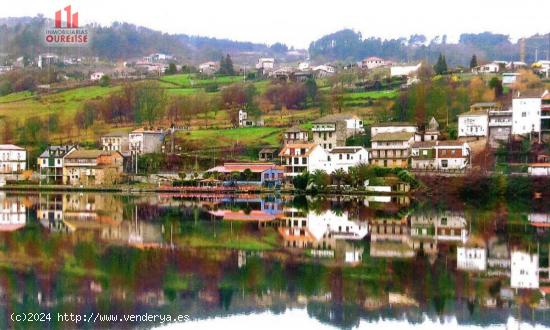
column 391, row 149
column 346, row 157
column 92, row 167
column 13, row 159
column 50, row 163
column 146, row 141
column 303, row 157
column 261, row 174
column 294, row 135
column 333, row 130
column 440, row 155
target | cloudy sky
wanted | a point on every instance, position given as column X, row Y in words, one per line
column 297, row 22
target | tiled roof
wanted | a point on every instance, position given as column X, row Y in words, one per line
column 58, row 151
column 398, row 136
column 345, row 150
column 308, row 146
column 529, row 94
column 295, row 129
column 10, row 147
column 89, row 154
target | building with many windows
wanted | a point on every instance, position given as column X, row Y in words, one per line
column 50, row 163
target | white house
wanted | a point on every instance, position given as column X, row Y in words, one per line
column 208, row 67
column 145, row 141
column 346, row 157
column 524, row 270
column 265, row 64
column 399, row 71
column 471, row 259
column 245, row 121
column 13, row 159
column 96, row 76
column 372, row 62
column 492, row 67
column 303, row 157
column 300, row 157
column 509, row 78
column 324, row 70
column 473, row 123
column 526, row 111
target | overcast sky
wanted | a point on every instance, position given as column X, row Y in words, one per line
column 298, row 22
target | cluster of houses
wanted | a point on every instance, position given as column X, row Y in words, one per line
column 527, row 115
column 71, row 165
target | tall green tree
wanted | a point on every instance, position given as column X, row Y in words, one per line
column 473, row 61
column 441, row 66
column 150, row 101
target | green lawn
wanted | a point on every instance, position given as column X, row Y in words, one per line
column 15, row 96
column 371, row 95
column 65, row 103
column 191, row 80
column 249, row 136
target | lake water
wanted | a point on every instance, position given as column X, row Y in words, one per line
column 104, row 260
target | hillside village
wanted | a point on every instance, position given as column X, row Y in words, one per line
column 275, row 125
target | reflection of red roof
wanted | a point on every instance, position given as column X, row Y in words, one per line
column 545, row 289
column 240, row 167
column 539, row 165
column 242, row 216
column 11, row 227
column 307, row 237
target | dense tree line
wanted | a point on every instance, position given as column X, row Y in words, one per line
column 349, row 45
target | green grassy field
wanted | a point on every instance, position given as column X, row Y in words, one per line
column 220, row 138
column 189, row 80
column 19, row 106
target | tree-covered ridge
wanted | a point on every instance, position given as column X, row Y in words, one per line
column 349, row 45
column 22, row 37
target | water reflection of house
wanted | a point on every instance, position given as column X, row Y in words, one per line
column 446, row 226
column 498, row 260
column 539, row 220
column 13, row 213
column 325, row 233
column 524, row 270
column 262, row 211
column 471, row 258
column 91, row 210
column 390, row 238
column 50, row 212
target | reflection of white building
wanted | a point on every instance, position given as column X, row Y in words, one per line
column 524, row 270
column 471, row 259
column 313, row 230
column 446, row 226
column 13, row 214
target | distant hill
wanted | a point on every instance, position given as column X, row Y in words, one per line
column 348, row 45
column 21, row 36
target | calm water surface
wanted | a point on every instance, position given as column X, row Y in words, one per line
column 271, row 262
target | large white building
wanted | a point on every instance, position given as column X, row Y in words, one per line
column 266, row 63
column 524, row 270
column 13, row 159
column 473, row 123
column 310, row 157
column 145, row 141
column 471, row 259
column 526, row 112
